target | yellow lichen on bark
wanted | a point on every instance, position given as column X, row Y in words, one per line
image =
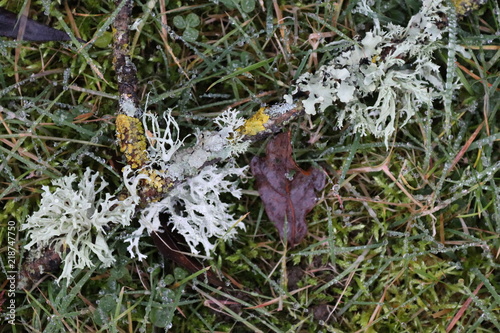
column 130, row 135
column 155, row 187
column 255, row 124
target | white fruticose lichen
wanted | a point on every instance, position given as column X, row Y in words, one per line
column 162, row 146
column 210, row 146
column 196, row 210
column 74, row 221
column 388, row 75
column 165, row 151
column 194, row 205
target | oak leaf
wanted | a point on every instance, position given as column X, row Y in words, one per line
column 287, row 191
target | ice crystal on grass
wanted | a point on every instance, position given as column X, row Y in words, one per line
column 74, row 221
column 194, row 205
column 389, row 74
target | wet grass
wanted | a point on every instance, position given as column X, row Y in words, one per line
column 404, row 239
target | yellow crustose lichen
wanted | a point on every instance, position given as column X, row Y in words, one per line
column 130, row 134
column 156, row 186
column 255, row 124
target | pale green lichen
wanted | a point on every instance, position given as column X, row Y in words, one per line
column 195, row 210
column 74, row 221
column 388, row 75
column 225, row 143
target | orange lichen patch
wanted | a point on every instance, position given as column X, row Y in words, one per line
column 255, row 124
column 155, row 187
column 130, row 135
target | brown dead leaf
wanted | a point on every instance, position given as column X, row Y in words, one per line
column 288, row 192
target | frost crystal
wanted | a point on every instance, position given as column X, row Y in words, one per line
column 73, row 221
column 390, row 73
column 194, row 205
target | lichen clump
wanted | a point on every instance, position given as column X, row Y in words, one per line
column 465, row 7
column 387, row 75
column 155, row 185
column 75, row 221
column 194, row 204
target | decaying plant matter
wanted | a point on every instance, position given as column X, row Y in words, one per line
column 287, row 191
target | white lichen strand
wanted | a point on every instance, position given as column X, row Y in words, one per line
column 386, row 76
column 74, row 221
